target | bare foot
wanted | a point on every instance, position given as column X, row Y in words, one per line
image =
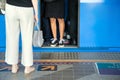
column 14, row 68
column 28, row 70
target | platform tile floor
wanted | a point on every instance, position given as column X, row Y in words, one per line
column 65, row 71
column 72, row 71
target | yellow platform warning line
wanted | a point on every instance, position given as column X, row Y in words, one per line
column 77, row 60
column 47, row 60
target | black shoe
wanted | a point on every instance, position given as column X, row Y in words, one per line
column 54, row 43
column 73, row 42
column 46, row 43
column 61, row 43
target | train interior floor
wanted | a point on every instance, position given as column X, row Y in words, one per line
column 67, row 66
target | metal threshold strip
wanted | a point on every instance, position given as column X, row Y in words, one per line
column 74, row 61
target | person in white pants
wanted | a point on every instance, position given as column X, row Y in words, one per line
column 19, row 17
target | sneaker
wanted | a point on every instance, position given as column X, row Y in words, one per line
column 61, row 43
column 54, row 43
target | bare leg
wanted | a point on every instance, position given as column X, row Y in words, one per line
column 53, row 27
column 61, row 27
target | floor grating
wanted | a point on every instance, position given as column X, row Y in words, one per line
column 74, row 56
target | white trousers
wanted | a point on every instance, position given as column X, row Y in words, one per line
column 19, row 19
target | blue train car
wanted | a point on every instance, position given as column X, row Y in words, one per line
column 98, row 28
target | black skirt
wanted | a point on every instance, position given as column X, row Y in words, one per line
column 55, row 9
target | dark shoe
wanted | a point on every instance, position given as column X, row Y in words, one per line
column 73, row 42
column 61, row 43
column 54, row 43
column 47, row 43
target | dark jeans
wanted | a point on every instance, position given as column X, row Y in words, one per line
column 47, row 35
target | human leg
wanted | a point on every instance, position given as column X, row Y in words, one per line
column 61, row 30
column 12, row 37
column 26, row 25
column 53, row 27
column 54, row 31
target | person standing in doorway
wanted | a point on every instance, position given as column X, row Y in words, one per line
column 19, row 16
column 55, row 11
column 45, row 25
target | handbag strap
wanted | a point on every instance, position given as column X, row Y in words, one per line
column 36, row 27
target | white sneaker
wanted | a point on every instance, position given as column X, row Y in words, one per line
column 61, row 43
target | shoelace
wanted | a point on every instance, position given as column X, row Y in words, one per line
column 54, row 40
column 61, row 41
